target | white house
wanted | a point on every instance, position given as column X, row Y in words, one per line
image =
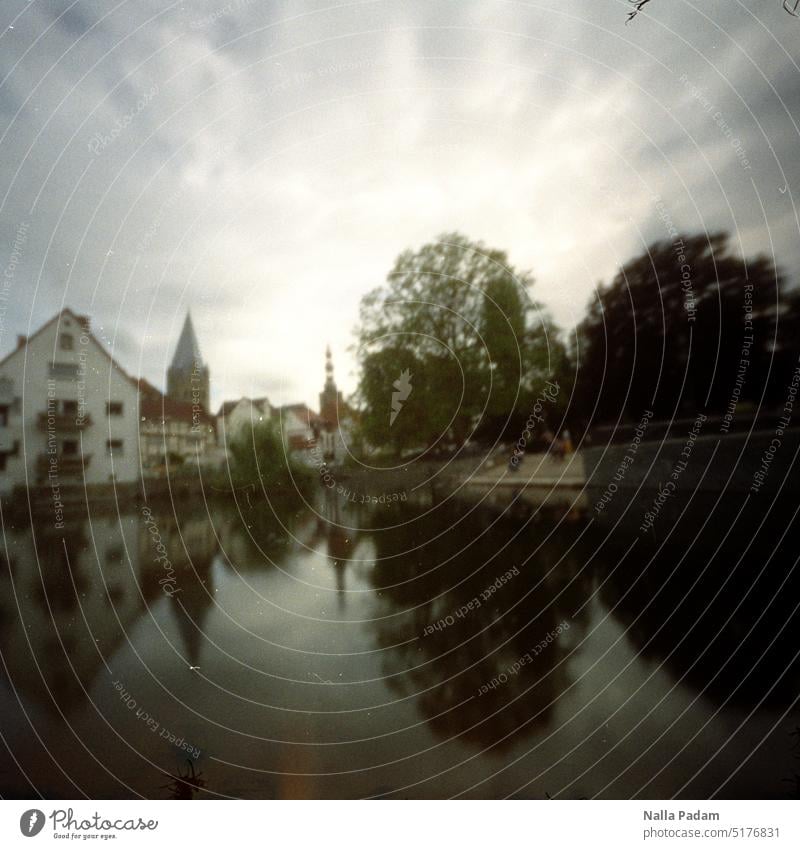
column 68, row 411
column 299, row 425
column 233, row 415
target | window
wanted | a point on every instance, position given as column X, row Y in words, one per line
column 64, row 371
column 69, row 408
column 69, row 448
column 113, row 408
column 4, row 415
column 113, row 446
column 67, row 342
column 4, row 455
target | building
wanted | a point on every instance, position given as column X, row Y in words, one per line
column 176, row 428
column 174, row 434
column 232, row 416
column 187, row 377
column 68, row 411
column 336, row 418
column 300, row 426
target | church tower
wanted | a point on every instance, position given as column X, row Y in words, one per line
column 330, row 399
column 331, row 407
column 187, row 377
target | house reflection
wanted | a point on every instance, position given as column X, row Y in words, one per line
column 71, row 595
column 187, row 579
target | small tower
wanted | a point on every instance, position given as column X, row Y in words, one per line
column 187, row 377
column 330, row 399
column 331, row 406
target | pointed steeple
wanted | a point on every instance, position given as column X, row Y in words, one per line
column 329, row 381
column 187, row 354
column 188, row 377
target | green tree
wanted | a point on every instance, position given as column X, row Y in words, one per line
column 261, row 464
column 459, row 320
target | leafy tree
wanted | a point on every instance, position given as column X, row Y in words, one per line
column 260, row 463
column 460, row 320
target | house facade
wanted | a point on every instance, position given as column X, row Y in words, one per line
column 68, row 411
column 232, row 416
column 300, row 427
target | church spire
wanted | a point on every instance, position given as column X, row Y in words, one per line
column 330, row 399
column 187, row 376
column 187, row 353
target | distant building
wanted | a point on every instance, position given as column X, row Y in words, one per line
column 176, row 428
column 187, row 376
column 299, row 425
column 336, row 418
column 173, row 434
column 68, row 411
column 233, row 415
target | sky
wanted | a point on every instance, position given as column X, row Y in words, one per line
column 262, row 163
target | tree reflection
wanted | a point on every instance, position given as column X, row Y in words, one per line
column 719, row 611
column 446, row 653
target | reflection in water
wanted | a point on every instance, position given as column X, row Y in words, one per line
column 185, row 784
column 723, row 613
column 355, row 651
column 484, row 629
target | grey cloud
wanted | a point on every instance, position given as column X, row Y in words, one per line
column 292, row 150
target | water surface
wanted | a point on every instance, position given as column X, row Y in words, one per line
column 411, row 649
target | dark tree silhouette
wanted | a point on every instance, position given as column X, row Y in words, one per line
column 670, row 331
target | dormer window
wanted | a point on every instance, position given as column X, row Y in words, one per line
column 67, row 342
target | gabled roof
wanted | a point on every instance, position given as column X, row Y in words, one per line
column 164, row 408
column 84, row 322
column 227, row 406
column 303, row 412
column 187, row 354
column 147, row 390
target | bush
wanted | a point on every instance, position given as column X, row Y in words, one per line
column 260, row 459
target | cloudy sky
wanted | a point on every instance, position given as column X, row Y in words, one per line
column 264, row 162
